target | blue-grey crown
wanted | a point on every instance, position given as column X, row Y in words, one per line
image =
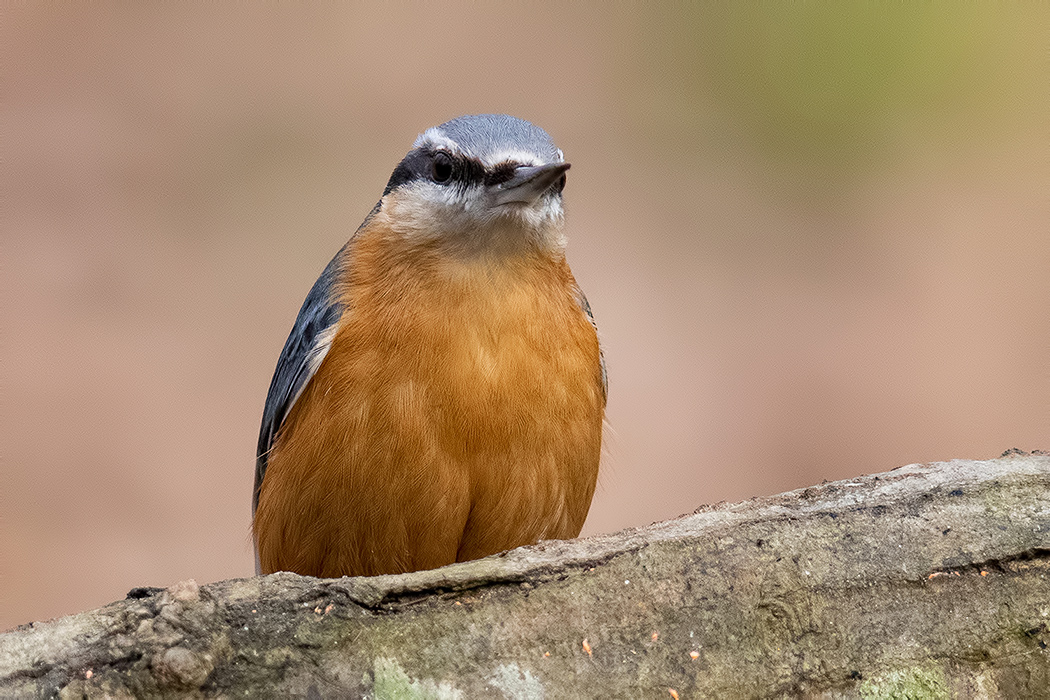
column 483, row 136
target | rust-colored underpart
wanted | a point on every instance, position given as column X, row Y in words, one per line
column 457, row 414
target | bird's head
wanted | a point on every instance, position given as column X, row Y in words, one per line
column 479, row 184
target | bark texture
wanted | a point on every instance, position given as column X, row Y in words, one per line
column 929, row 581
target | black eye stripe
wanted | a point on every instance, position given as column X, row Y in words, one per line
column 420, row 164
column 413, row 166
column 465, row 170
column 500, row 172
column 471, row 171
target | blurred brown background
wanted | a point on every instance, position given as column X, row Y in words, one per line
column 817, row 245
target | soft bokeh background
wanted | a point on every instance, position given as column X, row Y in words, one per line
column 817, row 244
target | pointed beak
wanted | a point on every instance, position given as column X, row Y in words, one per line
column 528, row 183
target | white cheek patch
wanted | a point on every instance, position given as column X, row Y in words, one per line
column 426, row 211
column 463, row 218
column 445, row 203
column 544, row 215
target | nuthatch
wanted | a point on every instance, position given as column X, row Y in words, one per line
column 441, row 395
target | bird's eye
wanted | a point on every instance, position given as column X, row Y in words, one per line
column 441, row 168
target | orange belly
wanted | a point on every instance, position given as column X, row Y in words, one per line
column 458, row 413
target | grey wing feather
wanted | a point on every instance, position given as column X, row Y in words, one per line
column 582, row 298
column 306, row 346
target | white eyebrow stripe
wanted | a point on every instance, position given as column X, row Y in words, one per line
column 512, row 154
column 433, row 137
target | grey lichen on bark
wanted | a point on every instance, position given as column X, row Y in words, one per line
column 929, row 581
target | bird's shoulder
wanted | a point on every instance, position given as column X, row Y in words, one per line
column 306, row 346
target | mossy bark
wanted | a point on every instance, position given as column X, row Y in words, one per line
column 930, row 581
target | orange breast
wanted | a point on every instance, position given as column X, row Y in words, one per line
column 457, row 414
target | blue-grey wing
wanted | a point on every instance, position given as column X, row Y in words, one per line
column 307, row 344
column 582, row 299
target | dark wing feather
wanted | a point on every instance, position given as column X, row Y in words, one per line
column 307, row 344
column 582, row 299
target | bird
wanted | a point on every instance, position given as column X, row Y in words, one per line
column 441, row 396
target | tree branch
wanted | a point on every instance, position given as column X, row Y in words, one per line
column 927, row 581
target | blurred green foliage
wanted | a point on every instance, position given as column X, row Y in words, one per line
column 825, row 86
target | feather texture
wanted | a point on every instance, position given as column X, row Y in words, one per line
column 303, row 351
column 456, row 413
